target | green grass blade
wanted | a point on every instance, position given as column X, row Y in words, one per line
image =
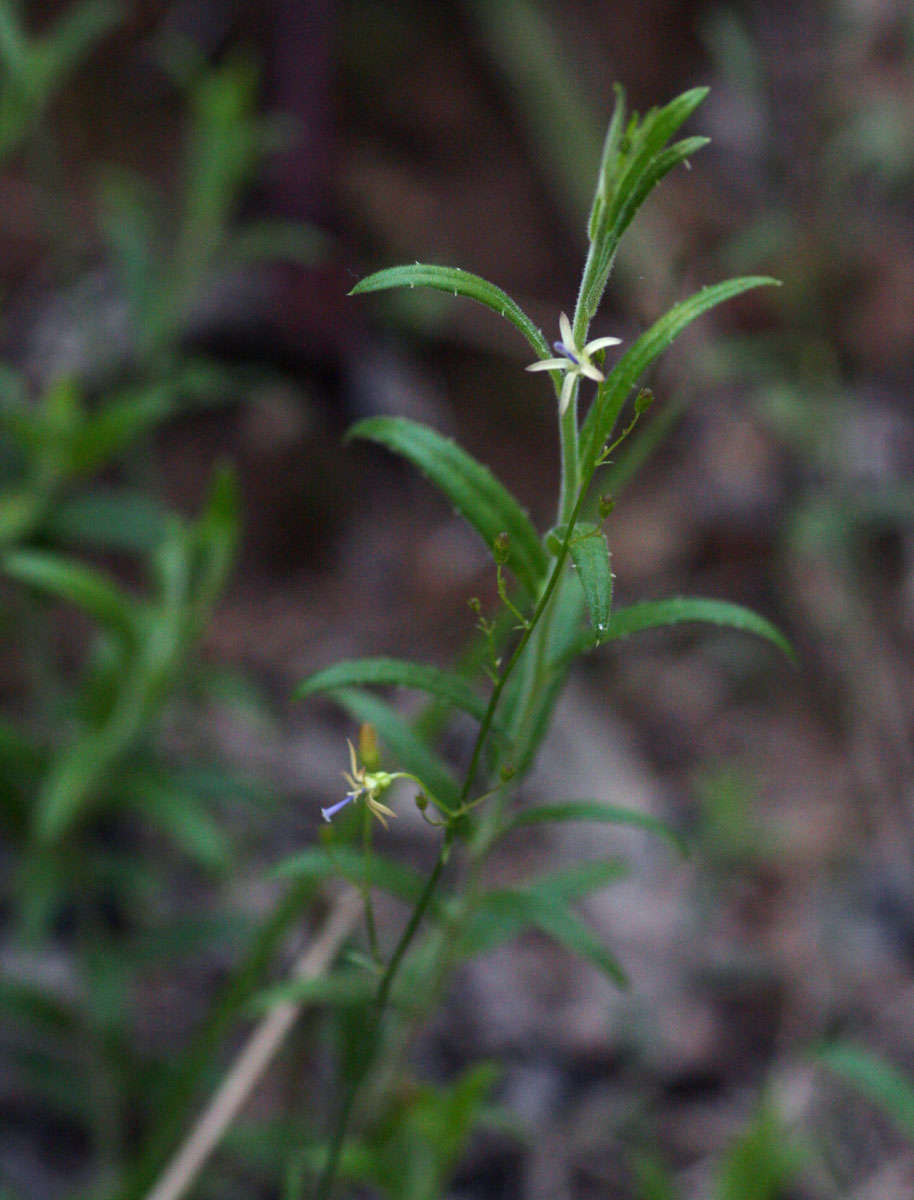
column 458, row 283
column 472, row 488
column 444, row 685
column 876, row 1079
column 654, row 614
column 77, row 583
column 612, row 393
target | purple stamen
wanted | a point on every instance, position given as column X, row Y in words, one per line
column 328, row 813
column 561, row 348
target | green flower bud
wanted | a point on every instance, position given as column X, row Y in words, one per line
column 643, row 401
column 368, row 747
column 501, row 548
column 606, row 505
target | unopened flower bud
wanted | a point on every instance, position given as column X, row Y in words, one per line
column 501, row 548
column 368, row 747
column 643, row 401
column 507, row 772
column 606, row 505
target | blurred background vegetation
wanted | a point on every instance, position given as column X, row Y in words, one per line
column 188, row 190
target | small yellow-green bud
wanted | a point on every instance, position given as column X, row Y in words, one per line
column 421, row 801
column 368, row 747
column 507, row 772
column 606, row 505
column 501, row 548
column 643, row 401
column 475, row 605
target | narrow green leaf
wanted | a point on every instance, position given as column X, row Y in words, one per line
column 76, row 779
column 73, row 36
column 612, row 393
column 405, row 749
column 280, row 241
column 566, row 928
column 572, row 883
column 630, row 168
column 879, row 1081
column 392, row 671
column 653, row 173
column 648, row 160
column 653, row 614
column 504, row 913
column 119, row 423
column 595, row 810
column 472, row 489
column 608, row 162
column 590, row 555
column 180, row 816
column 216, row 535
column 119, row 518
column 338, row 988
column 500, row 915
column 458, row 283
column 761, row 1163
column 77, row 583
column 332, row 862
column 654, row 1179
column 39, row 1009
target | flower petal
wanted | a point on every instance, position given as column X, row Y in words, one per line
column 333, row 809
column 567, row 332
column 592, row 372
column 549, row 364
column 567, row 389
column 599, row 343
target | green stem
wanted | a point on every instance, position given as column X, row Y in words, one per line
column 325, row 1185
column 568, row 438
column 365, row 887
column 365, row 1058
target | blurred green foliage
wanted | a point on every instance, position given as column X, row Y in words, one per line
column 94, row 799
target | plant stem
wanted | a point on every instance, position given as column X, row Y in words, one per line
column 568, row 440
column 382, row 998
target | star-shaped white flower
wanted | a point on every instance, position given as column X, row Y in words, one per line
column 574, row 362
